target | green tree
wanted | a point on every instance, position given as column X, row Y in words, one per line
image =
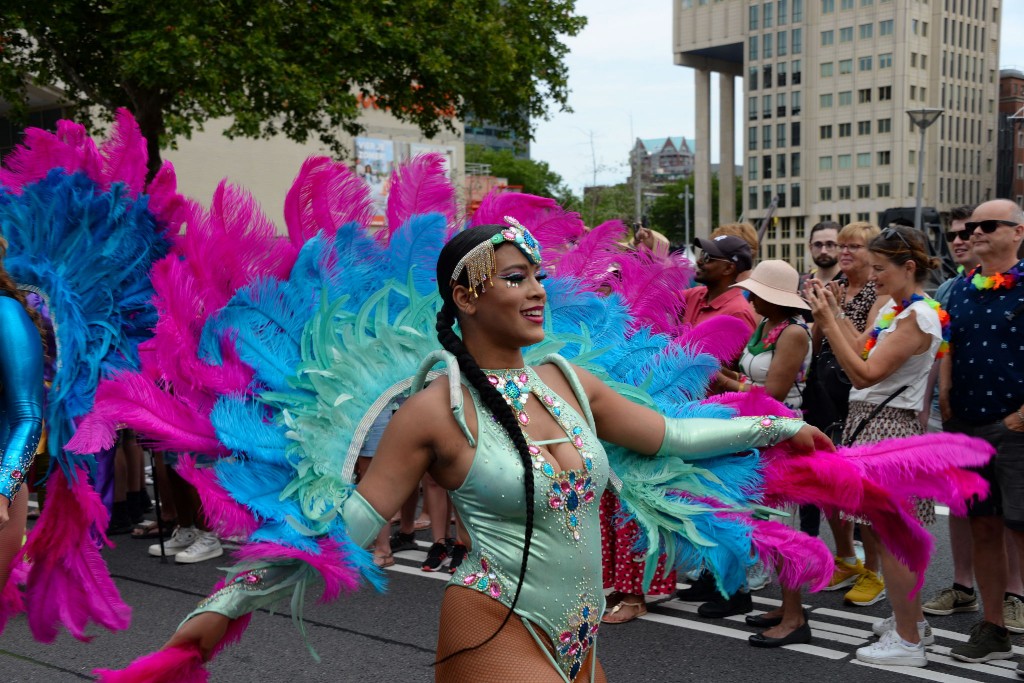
column 608, row 202
column 535, row 177
column 666, row 212
column 292, row 67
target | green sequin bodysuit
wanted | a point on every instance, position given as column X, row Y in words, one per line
column 562, row 591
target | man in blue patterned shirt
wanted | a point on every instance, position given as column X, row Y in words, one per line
column 982, row 394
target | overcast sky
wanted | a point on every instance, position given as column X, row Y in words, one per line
column 624, row 86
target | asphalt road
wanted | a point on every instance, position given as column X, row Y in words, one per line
column 391, row 636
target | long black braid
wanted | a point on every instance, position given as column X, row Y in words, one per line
column 491, row 398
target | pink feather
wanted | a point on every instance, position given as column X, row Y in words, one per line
column 137, row 402
column 419, row 186
column 553, row 226
column 722, row 336
column 124, row 154
column 590, row 260
column 68, row 581
column 11, row 600
column 651, row 286
column 41, row 151
column 164, row 201
column 222, row 511
column 799, row 559
column 324, row 196
column 179, row 664
column 752, row 403
column 332, row 563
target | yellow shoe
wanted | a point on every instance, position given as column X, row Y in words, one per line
column 869, row 589
column 845, row 574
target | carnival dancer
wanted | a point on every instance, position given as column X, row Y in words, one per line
column 889, row 366
column 66, row 201
column 21, row 387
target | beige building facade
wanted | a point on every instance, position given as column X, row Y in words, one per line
column 827, row 85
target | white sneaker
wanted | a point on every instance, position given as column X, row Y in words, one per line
column 205, row 547
column 182, row 538
column 880, row 627
column 890, row 651
column 758, row 576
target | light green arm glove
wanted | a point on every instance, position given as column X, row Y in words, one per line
column 259, row 586
column 698, row 438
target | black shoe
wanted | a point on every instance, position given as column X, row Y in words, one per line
column 400, row 541
column 761, row 621
column 458, row 555
column 738, row 603
column 437, row 557
column 801, row 635
column 701, row 590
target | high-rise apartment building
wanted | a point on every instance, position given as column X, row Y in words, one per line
column 827, row 85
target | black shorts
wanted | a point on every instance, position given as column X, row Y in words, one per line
column 1004, row 473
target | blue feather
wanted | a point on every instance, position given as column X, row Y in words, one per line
column 414, row 249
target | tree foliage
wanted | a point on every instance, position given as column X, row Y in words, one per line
column 290, row 66
column 666, row 212
column 535, row 177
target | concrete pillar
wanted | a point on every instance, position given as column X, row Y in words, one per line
column 702, row 156
column 727, row 148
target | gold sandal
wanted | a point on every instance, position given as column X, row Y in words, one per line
column 384, row 561
column 640, row 607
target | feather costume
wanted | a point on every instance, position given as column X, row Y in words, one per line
column 83, row 234
column 329, row 341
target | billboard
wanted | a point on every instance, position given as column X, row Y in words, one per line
column 374, row 161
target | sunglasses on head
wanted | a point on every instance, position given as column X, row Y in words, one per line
column 987, row 226
column 893, row 232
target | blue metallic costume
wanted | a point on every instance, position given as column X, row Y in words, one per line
column 21, row 386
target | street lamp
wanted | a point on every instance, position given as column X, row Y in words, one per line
column 922, row 118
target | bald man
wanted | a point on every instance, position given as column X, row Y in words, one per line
column 982, row 394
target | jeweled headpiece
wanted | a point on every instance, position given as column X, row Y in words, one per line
column 479, row 262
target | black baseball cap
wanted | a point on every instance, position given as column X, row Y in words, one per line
column 728, row 247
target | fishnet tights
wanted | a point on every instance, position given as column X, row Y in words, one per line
column 468, row 618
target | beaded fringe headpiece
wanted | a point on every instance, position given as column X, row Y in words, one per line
column 479, row 262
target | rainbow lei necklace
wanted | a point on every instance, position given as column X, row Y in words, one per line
column 998, row 281
column 885, row 320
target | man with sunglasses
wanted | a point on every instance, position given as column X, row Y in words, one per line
column 720, row 264
column 982, row 394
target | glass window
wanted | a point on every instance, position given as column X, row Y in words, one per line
column 794, row 194
column 795, row 103
column 825, row 194
column 752, row 48
column 864, row 160
column 864, row 64
column 828, row 6
column 753, row 17
column 884, row 158
column 752, row 108
column 752, row 78
column 794, row 132
column 845, row 98
column 751, row 138
column 769, row 12
column 826, row 70
column 794, row 163
column 798, row 11
column 885, row 61
column 882, row 190
column 780, row 135
column 766, row 137
column 752, row 168
column 825, row 132
column 867, row 31
column 884, row 93
column 884, row 125
column 766, row 45
column 845, row 66
column 824, row 163
column 863, row 128
column 846, row 4
column 864, row 95
column 825, row 101
column 827, row 37
column 797, row 42
column 783, row 13
column 844, row 192
column 781, row 44
column 752, row 198
column 863, row 192
column 844, row 129
column 780, row 165
column 885, row 28
column 845, row 161
column 846, row 34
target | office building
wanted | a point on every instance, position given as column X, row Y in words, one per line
column 827, row 85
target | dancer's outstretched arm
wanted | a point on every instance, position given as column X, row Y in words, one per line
column 646, row 431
